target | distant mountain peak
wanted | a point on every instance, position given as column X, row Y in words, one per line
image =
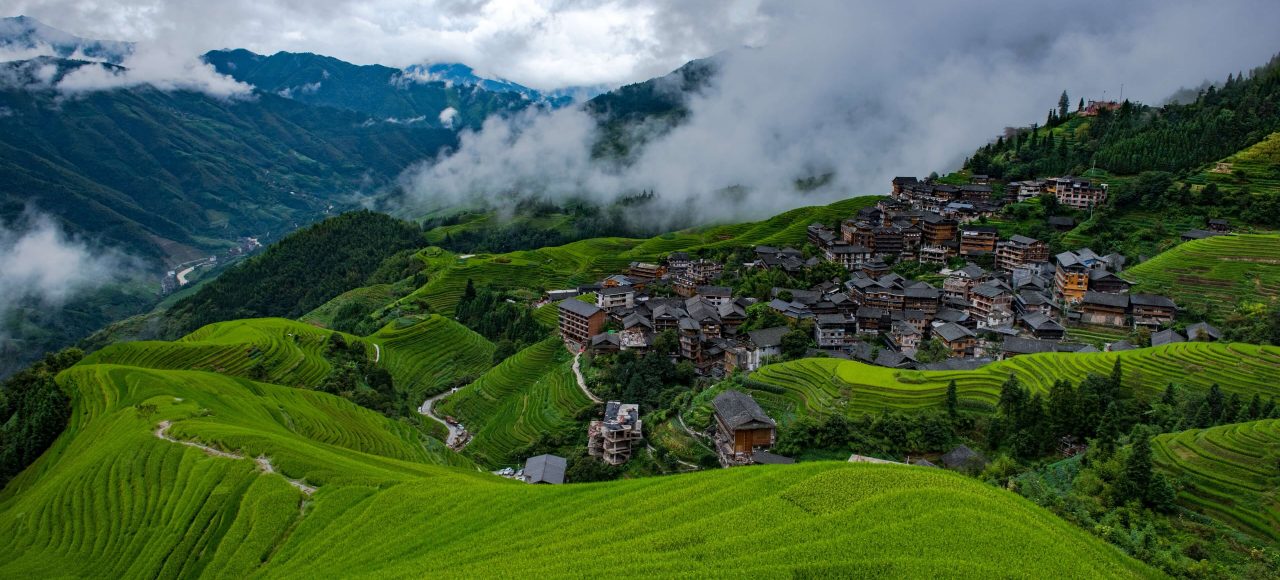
column 27, row 37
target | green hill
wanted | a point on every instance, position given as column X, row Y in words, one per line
column 528, row 395
column 113, row 499
column 817, row 386
column 1256, row 168
column 1214, row 273
column 589, row 260
column 425, row 355
column 1228, row 472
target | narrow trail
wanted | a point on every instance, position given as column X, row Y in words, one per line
column 263, row 462
column 377, row 352
column 455, row 432
column 582, row 383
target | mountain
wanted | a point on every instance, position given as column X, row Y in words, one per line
column 657, row 105
column 461, row 74
column 168, row 175
column 23, row 34
column 387, row 94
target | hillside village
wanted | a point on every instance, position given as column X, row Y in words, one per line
column 1026, row 299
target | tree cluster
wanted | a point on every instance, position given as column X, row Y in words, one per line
column 33, row 412
column 509, row 324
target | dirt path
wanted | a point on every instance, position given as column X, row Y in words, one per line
column 454, row 441
column 377, row 352
column 264, row 462
column 582, row 383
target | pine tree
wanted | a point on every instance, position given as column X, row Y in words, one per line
column 1255, row 407
column 1109, row 429
column 1080, row 107
column 1216, row 403
column 1171, row 396
column 953, row 400
column 1135, row 482
column 1063, row 103
column 1064, row 417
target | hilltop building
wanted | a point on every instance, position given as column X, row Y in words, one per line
column 612, row 439
column 580, row 321
column 742, row 427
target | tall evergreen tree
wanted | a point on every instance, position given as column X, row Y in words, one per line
column 1063, row 103
column 953, row 400
column 1135, row 482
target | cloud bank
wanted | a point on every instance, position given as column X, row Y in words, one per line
column 42, row 266
column 863, row 91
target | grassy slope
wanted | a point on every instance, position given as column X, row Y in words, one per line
column 111, row 499
column 529, row 394
column 369, row 297
column 1214, row 273
column 820, row 385
column 588, row 260
column 1228, row 472
column 422, row 355
column 1254, row 167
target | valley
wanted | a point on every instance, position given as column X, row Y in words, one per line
column 346, row 318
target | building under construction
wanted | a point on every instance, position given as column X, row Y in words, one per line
column 613, row 438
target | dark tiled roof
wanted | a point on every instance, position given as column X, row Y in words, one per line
column 952, row 331
column 1164, row 337
column 1018, row 345
column 739, row 411
column 545, row 469
column 767, row 337
column 1104, row 299
column 963, row 457
column 580, row 308
column 1151, row 300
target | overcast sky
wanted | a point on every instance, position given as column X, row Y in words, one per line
column 541, row 43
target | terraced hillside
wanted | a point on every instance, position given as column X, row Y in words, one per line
column 1256, row 167
column 288, row 352
column 525, row 396
column 368, row 298
column 589, row 260
column 816, row 386
column 1214, row 273
column 113, row 499
column 424, row 355
column 1228, row 472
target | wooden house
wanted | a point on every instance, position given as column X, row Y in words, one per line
column 741, row 425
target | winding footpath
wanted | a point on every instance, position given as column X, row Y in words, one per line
column 264, row 462
column 455, row 432
column 582, row 383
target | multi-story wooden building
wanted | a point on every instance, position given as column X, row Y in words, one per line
column 1020, row 251
column 742, row 427
column 613, row 438
column 978, row 240
column 937, row 229
column 1105, row 309
column 580, row 321
column 1151, row 310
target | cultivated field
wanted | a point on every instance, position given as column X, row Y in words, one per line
column 531, row 393
column 819, row 386
column 112, row 499
column 1214, row 273
column 1229, row 472
column 589, row 260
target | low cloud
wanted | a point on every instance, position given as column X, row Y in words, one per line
column 860, row 92
column 448, row 117
column 158, row 67
column 42, row 266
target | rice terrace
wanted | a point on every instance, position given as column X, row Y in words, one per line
column 721, row 289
